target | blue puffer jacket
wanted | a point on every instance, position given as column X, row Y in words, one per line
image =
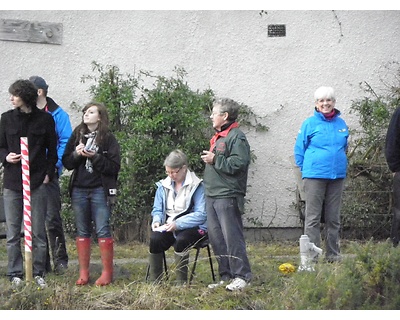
column 63, row 129
column 320, row 149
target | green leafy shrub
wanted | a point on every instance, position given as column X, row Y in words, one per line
column 150, row 116
column 367, row 198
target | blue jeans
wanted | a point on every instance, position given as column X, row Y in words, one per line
column 327, row 194
column 90, row 204
column 14, row 211
column 225, row 232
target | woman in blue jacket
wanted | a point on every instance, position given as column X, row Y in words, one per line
column 320, row 152
column 179, row 216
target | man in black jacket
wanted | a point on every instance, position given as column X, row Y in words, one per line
column 26, row 120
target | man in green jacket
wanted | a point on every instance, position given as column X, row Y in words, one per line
column 225, row 181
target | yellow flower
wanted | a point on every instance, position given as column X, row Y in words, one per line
column 287, row 268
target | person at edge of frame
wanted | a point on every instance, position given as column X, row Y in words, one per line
column 392, row 154
column 26, row 120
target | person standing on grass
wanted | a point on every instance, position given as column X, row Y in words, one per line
column 93, row 153
column 225, row 180
column 392, row 154
column 26, row 120
column 320, row 152
column 54, row 223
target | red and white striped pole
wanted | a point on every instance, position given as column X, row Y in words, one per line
column 26, row 189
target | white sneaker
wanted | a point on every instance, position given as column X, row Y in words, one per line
column 216, row 285
column 40, row 282
column 16, row 282
column 237, row 284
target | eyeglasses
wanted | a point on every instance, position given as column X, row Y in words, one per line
column 217, row 113
column 173, row 172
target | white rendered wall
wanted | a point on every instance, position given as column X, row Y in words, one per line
column 231, row 53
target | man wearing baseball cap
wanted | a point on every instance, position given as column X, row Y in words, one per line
column 54, row 223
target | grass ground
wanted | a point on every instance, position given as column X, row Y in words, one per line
column 367, row 278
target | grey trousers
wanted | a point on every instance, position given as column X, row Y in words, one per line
column 324, row 194
column 225, row 232
column 13, row 207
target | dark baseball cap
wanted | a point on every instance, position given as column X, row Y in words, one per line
column 39, row 82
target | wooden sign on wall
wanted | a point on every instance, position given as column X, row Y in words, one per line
column 27, row 31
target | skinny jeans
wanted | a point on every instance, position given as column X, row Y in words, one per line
column 225, row 232
column 90, row 204
column 14, row 212
column 324, row 195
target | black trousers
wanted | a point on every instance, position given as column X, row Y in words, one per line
column 396, row 209
column 181, row 241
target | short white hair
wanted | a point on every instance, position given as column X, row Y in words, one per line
column 324, row 92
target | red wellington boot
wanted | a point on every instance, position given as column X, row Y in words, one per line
column 83, row 247
column 107, row 255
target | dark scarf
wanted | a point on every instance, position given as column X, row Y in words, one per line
column 329, row 116
column 223, row 133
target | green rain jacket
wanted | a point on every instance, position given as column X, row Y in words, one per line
column 227, row 177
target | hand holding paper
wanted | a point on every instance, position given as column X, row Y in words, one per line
column 161, row 228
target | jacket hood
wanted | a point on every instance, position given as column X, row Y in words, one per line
column 190, row 178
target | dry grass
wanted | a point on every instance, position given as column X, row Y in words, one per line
column 332, row 286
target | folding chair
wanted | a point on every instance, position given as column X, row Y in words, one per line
column 203, row 243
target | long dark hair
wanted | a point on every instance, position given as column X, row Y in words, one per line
column 102, row 129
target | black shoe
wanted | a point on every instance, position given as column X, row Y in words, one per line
column 333, row 259
column 61, row 268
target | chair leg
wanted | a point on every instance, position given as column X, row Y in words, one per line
column 211, row 263
column 165, row 265
column 194, row 265
column 147, row 273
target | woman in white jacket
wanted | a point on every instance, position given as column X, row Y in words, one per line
column 179, row 216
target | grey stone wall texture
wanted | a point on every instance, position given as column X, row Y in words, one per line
column 231, row 53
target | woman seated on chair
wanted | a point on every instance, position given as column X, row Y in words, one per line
column 179, row 217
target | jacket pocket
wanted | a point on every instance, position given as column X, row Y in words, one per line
column 38, row 136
